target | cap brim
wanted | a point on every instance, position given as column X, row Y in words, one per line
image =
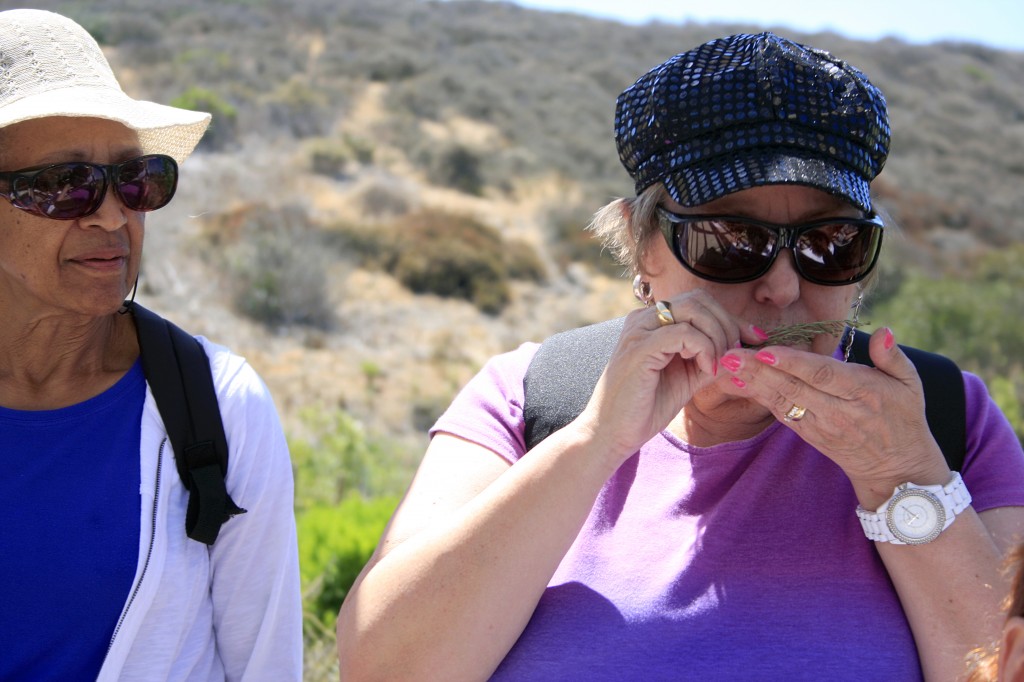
column 704, row 181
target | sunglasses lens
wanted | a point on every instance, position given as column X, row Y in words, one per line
column 725, row 250
column 148, row 182
column 65, row 191
column 838, row 254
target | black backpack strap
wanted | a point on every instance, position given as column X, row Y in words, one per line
column 945, row 403
column 178, row 373
column 562, row 376
column 563, row 373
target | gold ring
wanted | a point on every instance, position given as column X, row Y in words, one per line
column 795, row 414
column 664, row 313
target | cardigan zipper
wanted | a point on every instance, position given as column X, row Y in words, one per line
column 149, row 552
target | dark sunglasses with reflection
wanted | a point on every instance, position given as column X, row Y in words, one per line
column 76, row 189
column 733, row 249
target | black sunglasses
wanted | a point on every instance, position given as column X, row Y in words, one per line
column 76, row 189
column 730, row 249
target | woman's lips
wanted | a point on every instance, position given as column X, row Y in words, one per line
column 101, row 260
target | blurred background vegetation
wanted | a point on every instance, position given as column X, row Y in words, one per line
column 392, row 191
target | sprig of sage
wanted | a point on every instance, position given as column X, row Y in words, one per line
column 805, row 332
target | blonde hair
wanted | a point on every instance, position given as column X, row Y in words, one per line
column 983, row 662
column 626, row 226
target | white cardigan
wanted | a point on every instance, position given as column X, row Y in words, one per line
column 232, row 611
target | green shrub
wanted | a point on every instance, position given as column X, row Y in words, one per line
column 454, row 166
column 335, row 542
column 223, row 128
column 334, row 458
column 370, row 245
column 393, row 63
column 440, row 253
column 1008, row 393
column 279, row 267
column 427, row 409
column 332, row 156
column 453, row 256
column 523, row 262
column 299, row 109
column 361, row 148
column 383, row 197
column 977, row 320
column 328, row 156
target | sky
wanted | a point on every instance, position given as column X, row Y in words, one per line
column 996, row 23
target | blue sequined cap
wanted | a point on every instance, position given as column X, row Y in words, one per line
column 751, row 110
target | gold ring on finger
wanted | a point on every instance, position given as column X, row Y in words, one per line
column 664, row 311
column 795, row 414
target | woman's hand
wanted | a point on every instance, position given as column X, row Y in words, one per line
column 657, row 368
column 869, row 421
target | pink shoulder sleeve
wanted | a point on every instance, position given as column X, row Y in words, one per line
column 994, row 466
column 489, row 409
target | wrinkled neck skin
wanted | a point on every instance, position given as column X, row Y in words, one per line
column 714, row 417
column 57, row 360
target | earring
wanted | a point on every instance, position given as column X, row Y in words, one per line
column 642, row 291
column 856, row 305
column 850, row 329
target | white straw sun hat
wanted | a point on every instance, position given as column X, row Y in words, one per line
column 50, row 66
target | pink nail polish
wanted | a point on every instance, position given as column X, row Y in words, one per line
column 760, row 333
column 765, row 357
column 890, row 340
column 739, row 382
column 731, row 362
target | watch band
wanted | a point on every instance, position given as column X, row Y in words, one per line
column 948, row 501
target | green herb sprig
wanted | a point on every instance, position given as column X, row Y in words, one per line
column 796, row 334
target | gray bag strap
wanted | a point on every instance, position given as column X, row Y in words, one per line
column 562, row 376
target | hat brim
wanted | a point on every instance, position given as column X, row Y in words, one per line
column 161, row 129
column 704, row 181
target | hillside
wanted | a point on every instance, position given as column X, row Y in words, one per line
column 343, row 127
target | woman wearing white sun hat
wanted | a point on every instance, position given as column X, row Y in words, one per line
column 102, row 581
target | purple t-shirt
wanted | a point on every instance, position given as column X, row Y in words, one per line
column 740, row 561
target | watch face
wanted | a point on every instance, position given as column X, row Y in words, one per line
column 915, row 516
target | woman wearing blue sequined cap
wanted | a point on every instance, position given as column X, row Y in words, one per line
column 727, row 482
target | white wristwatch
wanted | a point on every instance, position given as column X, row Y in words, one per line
column 916, row 514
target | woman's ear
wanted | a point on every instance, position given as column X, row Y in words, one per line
column 1011, row 651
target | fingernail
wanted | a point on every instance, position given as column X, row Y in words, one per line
column 760, row 333
column 765, row 357
column 739, row 382
column 731, row 362
column 890, row 340
column 738, row 344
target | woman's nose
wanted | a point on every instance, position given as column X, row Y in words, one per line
column 779, row 286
